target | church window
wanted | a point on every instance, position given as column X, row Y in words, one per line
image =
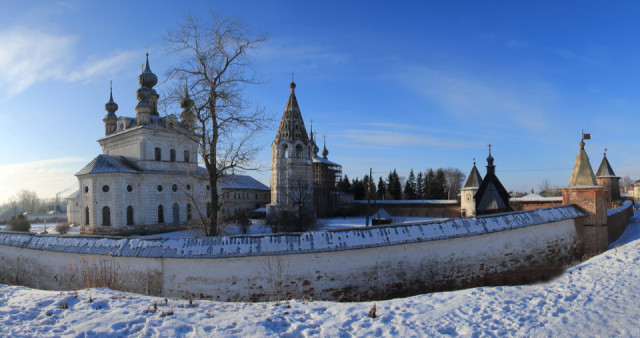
column 159, row 188
column 129, row 188
column 86, row 189
column 208, row 187
column 129, row 215
column 106, row 216
column 121, row 126
column 186, row 156
column 158, row 154
column 174, row 187
column 256, row 196
column 160, row 214
column 299, row 151
column 86, row 216
column 188, row 212
column 188, row 186
column 105, row 188
column 172, row 155
column 285, row 150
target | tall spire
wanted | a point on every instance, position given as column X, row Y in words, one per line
column 292, row 125
column 582, row 174
column 605, row 169
column 475, row 179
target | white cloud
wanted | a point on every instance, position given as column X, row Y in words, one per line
column 29, row 56
column 387, row 138
column 45, row 177
column 300, row 50
column 473, row 97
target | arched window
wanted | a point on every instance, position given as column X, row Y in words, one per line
column 172, row 155
column 188, row 212
column 160, row 214
column 129, row 215
column 285, row 151
column 86, row 216
column 176, row 214
column 299, row 151
column 186, row 156
column 106, row 216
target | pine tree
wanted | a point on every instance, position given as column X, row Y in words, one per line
column 344, row 185
column 420, row 186
column 430, row 190
column 357, row 187
column 369, row 187
column 440, row 185
column 382, row 188
column 410, row 187
column 395, row 188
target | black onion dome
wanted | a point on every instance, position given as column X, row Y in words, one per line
column 147, row 78
column 111, row 107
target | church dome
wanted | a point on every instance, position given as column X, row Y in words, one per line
column 111, row 107
column 147, row 78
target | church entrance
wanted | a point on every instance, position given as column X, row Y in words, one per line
column 176, row 214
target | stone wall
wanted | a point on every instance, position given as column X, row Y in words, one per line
column 365, row 263
column 618, row 219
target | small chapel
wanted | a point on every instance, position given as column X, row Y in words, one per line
column 147, row 178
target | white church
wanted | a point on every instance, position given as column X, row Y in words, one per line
column 147, row 178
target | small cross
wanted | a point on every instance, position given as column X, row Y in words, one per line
column 489, row 149
column 605, row 151
column 292, row 74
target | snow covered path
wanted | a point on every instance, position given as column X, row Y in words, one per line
column 596, row 298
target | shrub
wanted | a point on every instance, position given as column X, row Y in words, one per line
column 62, row 228
column 19, row 223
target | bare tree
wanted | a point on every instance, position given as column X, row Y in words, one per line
column 545, row 188
column 214, row 66
column 28, row 200
column 455, row 179
column 626, row 182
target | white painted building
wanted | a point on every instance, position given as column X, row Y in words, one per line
column 147, row 177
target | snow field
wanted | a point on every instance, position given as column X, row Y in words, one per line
column 596, row 298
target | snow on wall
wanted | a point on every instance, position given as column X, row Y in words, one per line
column 332, row 240
column 367, row 263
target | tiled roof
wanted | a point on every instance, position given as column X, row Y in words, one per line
column 605, row 169
column 242, row 182
column 108, row 164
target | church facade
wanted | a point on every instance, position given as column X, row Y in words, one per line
column 147, row 178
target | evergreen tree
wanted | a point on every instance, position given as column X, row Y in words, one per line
column 420, row 186
column 19, row 223
column 382, row 188
column 344, row 185
column 440, row 185
column 430, row 189
column 410, row 187
column 358, row 189
column 395, row 188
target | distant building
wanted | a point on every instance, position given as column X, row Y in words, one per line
column 607, row 178
column 489, row 195
column 242, row 193
column 147, row 178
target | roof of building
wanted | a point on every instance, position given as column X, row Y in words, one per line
column 582, row 174
column 605, row 169
column 292, row 125
column 108, row 164
column 474, row 179
column 75, row 194
column 244, row 182
column 491, row 194
column 536, row 198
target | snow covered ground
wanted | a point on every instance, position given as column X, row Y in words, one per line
column 596, row 298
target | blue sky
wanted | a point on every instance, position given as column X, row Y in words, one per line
column 402, row 84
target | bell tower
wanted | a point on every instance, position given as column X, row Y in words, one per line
column 291, row 160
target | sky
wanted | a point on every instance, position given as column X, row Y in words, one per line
column 392, row 84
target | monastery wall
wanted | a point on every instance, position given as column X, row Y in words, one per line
column 618, row 219
column 365, row 263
